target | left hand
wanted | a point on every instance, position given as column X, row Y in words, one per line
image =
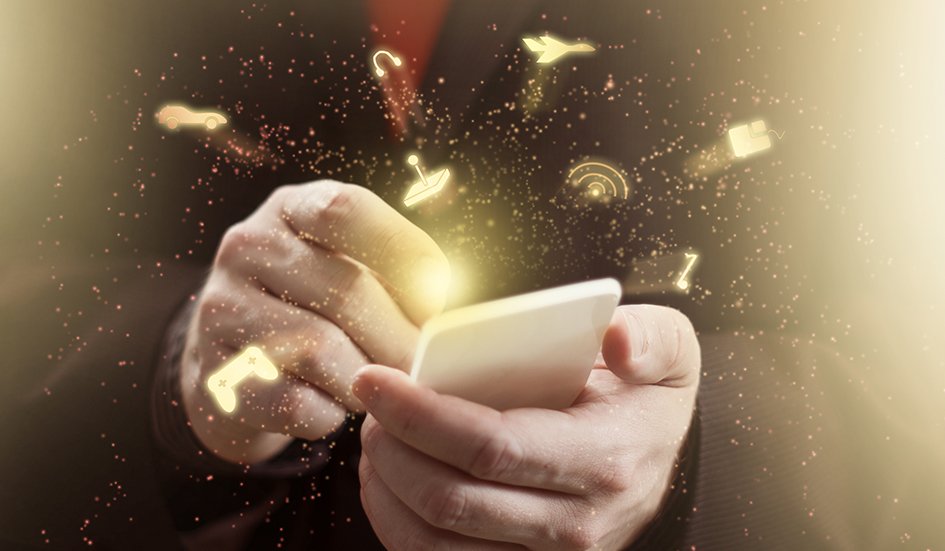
column 437, row 470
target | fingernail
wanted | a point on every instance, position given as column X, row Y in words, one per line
column 364, row 392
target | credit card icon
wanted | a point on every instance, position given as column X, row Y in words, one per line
column 748, row 139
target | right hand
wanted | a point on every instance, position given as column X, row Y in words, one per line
column 325, row 278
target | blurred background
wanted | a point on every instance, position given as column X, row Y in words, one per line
column 865, row 79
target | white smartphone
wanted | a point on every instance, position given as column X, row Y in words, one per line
column 532, row 350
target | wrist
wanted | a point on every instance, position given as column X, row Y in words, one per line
column 665, row 529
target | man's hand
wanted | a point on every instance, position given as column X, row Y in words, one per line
column 325, row 278
column 437, row 469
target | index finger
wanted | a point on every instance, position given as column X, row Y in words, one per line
column 351, row 220
column 477, row 439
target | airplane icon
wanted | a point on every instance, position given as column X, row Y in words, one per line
column 551, row 48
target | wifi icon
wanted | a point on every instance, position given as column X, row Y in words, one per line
column 599, row 180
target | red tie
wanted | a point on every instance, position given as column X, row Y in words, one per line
column 409, row 30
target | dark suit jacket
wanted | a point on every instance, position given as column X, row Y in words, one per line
column 774, row 459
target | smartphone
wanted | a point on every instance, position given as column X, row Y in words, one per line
column 532, row 350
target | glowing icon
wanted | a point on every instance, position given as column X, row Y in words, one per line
column 378, row 70
column 174, row 116
column 424, row 189
column 663, row 273
column 748, row 139
column 552, row 48
column 682, row 282
column 601, row 180
column 251, row 361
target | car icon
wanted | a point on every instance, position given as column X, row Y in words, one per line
column 174, row 116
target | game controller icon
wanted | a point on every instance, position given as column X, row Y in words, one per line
column 251, row 361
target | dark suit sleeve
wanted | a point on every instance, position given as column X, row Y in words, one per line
column 774, row 469
column 776, row 456
column 215, row 503
column 99, row 449
column 79, row 469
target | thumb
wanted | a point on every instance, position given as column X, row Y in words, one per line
column 647, row 344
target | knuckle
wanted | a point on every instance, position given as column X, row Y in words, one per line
column 576, row 541
column 613, row 476
column 581, row 531
column 331, row 203
column 445, row 507
column 312, row 357
column 223, row 315
column 212, row 303
column 498, row 455
column 288, row 254
column 237, row 239
column 345, row 279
